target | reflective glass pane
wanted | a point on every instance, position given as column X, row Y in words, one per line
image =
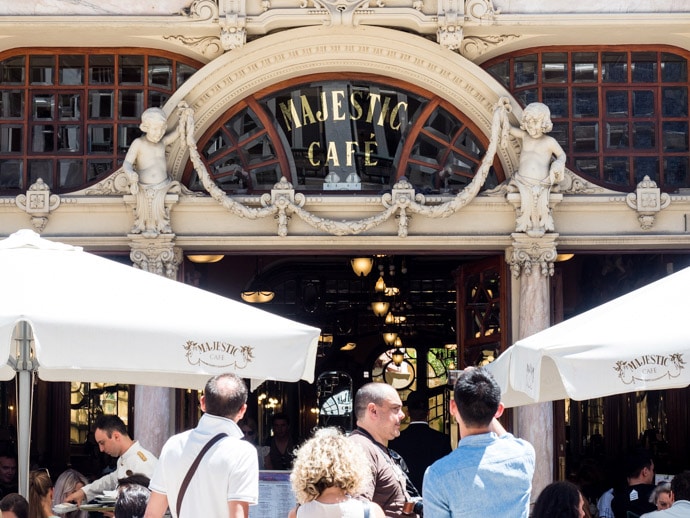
column 644, row 65
column 131, row 104
column 10, row 174
column 101, row 105
column 443, row 125
column 160, row 72
column 42, row 138
column 265, row 177
column 468, row 142
column 526, row 97
column 586, row 137
column 245, row 125
column 184, row 72
column 70, row 173
column 102, row 70
column 71, row 70
column 525, row 71
column 676, row 170
column 132, row 70
column 588, row 166
column 12, row 71
column 42, row 70
column 43, row 107
column 98, row 169
column 585, row 102
column 258, row 150
column 675, row 136
column 616, row 170
column 584, row 67
column 614, row 67
column 157, row 99
column 560, row 133
column 215, row 144
column 674, row 69
column 69, row 107
column 644, row 135
column 126, row 133
column 617, row 135
column 617, row 103
column 42, row 169
column 643, row 103
column 69, row 138
column 229, row 173
column 100, row 138
column 458, row 171
column 554, row 67
column 11, row 104
column 674, row 101
column 557, row 101
column 11, row 138
column 646, row 166
column 501, row 71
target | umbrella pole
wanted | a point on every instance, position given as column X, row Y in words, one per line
column 25, row 371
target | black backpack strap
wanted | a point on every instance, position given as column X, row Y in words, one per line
column 192, row 470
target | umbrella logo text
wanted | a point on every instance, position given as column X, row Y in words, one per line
column 218, row 354
column 650, row 367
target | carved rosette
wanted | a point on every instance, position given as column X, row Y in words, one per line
column 647, row 200
column 38, row 203
column 528, row 253
column 158, row 255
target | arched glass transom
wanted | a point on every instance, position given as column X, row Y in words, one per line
column 343, row 134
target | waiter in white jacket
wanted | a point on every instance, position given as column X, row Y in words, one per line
column 112, row 438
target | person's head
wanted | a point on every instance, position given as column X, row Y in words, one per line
column 131, row 501
column 680, row 485
column 225, row 395
column 67, row 483
column 536, row 116
column 280, row 424
column 560, row 500
column 326, row 460
column 378, row 410
column 639, row 468
column 249, row 429
column 154, row 123
column 135, row 478
column 417, row 406
column 8, row 466
column 111, row 435
column 661, row 497
column 476, row 398
column 40, row 493
column 14, row 505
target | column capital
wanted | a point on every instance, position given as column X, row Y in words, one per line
column 158, row 255
column 527, row 252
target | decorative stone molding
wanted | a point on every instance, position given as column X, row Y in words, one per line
column 474, row 46
column 233, row 25
column 38, row 203
column 527, row 252
column 114, row 185
column 209, row 46
column 159, row 255
column 574, row 184
column 202, row 10
column 341, row 12
column 450, row 21
column 480, row 10
column 647, row 200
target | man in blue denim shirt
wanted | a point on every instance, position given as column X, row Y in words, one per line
column 490, row 472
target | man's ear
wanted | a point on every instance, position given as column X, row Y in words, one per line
column 500, row 410
column 371, row 409
column 202, row 403
column 240, row 414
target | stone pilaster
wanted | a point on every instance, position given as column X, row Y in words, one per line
column 531, row 260
column 156, row 255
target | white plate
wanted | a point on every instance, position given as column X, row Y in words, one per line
column 64, row 508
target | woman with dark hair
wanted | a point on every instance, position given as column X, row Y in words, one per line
column 560, row 500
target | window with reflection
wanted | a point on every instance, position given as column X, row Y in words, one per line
column 89, row 400
column 619, row 114
column 69, row 117
column 336, row 135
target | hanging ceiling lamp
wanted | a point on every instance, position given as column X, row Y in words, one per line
column 389, row 337
column 258, row 294
column 398, row 356
column 205, row 258
column 362, row 266
column 380, row 307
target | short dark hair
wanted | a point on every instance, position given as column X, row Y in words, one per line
column 8, row 451
column 477, row 396
column 280, row 416
column 636, row 462
column 15, row 503
column 131, row 501
column 558, row 500
column 224, row 395
column 374, row 392
column 110, row 424
column 680, row 485
column 135, row 478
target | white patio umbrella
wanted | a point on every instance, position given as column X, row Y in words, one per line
column 640, row 341
column 69, row 315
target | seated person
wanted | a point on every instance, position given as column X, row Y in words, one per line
column 14, row 505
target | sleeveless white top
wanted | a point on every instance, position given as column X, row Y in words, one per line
column 350, row 508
